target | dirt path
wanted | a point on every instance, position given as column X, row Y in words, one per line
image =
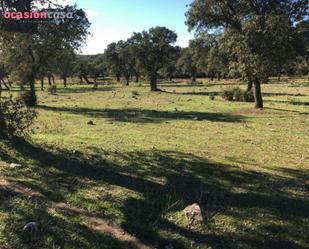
column 92, row 220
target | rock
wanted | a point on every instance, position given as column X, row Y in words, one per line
column 194, row 214
column 15, row 165
column 31, row 227
column 91, row 122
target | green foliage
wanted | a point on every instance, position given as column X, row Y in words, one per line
column 258, row 36
column 27, row 53
column 228, row 94
column 153, row 49
column 15, row 117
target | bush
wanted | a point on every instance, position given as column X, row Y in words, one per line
column 52, row 89
column 248, row 96
column 15, row 117
column 228, row 94
column 28, row 98
column 212, row 96
column 237, row 94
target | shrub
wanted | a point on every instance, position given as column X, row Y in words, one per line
column 28, row 98
column 212, row 96
column 228, row 94
column 15, row 117
column 237, row 94
column 248, row 96
column 52, row 89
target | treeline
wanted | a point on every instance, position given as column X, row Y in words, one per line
column 152, row 54
column 239, row 39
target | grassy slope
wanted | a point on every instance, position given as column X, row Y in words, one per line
column 150, row 155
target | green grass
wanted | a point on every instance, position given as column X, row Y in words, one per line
column 149, row 155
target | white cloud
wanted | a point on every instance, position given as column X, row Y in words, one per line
column 104, row 35
column 39, row 5
column 101, row 37
column 91, row 13
column 65, row 2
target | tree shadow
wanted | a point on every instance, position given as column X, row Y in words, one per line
column 55, row 230
column 88, row 89
column 134, row 115
column 267, row 94
column 195, row 93
column 286, row 110
column 293, row 102
column 256, row 205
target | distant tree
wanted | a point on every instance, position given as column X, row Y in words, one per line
column 113, row 60
column 186, row 63
column 153, row 49
column 64, row 64
column 301, row 65
column 97, row 66
column 170, row 68
column 82, row 68
column 217, row 59
column 251, row 32
column 127, row 60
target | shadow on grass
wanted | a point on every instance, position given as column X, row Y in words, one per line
column 259, row 207
column 144, row 116
column 286, row 110
column 54, row 230
column 293, row 102
column 85, row 89
column 195, row 93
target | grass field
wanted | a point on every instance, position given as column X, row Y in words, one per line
column 124, row 181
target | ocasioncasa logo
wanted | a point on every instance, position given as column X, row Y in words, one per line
column 44, row 14
column 36, row 13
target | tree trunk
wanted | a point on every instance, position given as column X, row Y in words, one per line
column 127, row 80
column 258, row 95
column 33, row 100
column 193, row 78
column 0, row 89
column 153, row 83
column 86, row 79
column 81, row 80
column 49, row 80
column 118, row 78
column 249, row 87
column 9, row 81
column 136, row 78
column 42, row 84
column 5, row 85
column 219, row 76
column 65, row 81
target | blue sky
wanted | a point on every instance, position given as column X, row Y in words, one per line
column 113, row 20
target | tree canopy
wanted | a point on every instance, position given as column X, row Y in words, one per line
column 259, row 35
